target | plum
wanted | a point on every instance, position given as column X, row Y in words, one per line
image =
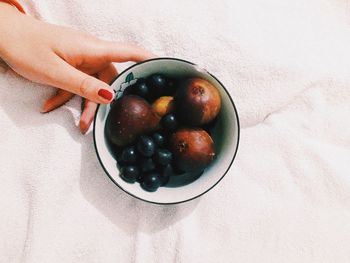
column 197, row 102
column 130, row 117
column 193, row 149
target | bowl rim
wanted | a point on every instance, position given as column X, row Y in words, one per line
column 233, row 157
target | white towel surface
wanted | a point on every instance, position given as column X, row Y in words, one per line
column 287, row 196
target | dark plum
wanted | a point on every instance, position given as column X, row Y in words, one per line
column 193, row 149
column 151, row 182
column 130, row 117
column 197, row 102
column 130, row 173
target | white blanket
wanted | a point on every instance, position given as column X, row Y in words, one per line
column 287, row 195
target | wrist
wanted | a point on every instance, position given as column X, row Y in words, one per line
column 9, row 15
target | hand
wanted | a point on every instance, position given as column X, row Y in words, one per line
column 74, row 62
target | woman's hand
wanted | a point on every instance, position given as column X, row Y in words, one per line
column 74, row 62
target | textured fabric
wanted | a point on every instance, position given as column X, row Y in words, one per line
column 287, row 195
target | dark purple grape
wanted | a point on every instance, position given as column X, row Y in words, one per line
column 157, row 84
column 171, row 87
column 147, row 165
column 165, row 173
column 169, row 122
column 130, row 173
column 146, row 146
column 129, row 155
column 151, row 182
column 119, row 160
column 139, row 88
column 163, row 157
column 129, row 90
column 158, row 139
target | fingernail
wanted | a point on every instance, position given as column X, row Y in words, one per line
column 106, row 94
column 83, row 127
column 45, row 108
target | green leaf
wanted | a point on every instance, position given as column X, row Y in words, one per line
column 129, row 77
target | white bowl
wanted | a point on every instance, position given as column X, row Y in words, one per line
column 225, row 134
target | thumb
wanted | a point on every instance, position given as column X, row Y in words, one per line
column 64, row 76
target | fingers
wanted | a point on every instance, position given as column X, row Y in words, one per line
column 117, row 52
column 64, row 76
column 61, row 97
column 87, row 116
column 107, row 75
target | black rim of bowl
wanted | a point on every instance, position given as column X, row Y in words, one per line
column 233, row 157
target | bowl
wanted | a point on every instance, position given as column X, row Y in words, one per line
column 225, row 134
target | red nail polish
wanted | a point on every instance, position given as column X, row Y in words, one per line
column 106, row 94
